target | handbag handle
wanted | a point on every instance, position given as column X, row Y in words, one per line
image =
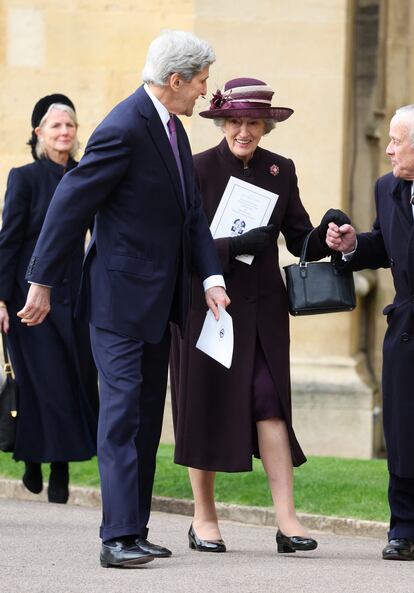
column 7, row 365
column 302, row 260
column 9, row 374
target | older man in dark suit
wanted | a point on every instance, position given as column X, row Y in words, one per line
column 391, row 244
column 150, row 233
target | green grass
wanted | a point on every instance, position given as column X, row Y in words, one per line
column 324, row 485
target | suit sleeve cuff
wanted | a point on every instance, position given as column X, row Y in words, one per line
column 213, row 281
column 37, row 284
column 348, row 256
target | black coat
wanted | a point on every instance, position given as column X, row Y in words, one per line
column 54, row 368
column 212, row 410
column 390, row 243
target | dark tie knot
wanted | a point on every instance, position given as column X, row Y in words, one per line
column 408, row 191
column 412, row 193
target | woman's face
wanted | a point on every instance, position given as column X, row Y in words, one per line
column 57, row 134
column 243, row 136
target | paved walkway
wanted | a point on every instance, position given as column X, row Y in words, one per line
column 47, row 548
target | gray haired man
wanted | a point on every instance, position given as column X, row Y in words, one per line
column 390, row 244
column 150, row 232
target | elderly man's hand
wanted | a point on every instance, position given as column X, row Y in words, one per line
column 216, row 295
column 37, row 305
column 332, row 215
column 342, row 238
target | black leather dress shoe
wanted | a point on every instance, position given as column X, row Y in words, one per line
column 58, row 489
column 288, row 545
column 153, row 549
column 123, row 553
column 399, row 549
column 32, row 477
column 204, row 545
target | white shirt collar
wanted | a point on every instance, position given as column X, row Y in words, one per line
column 161, row 109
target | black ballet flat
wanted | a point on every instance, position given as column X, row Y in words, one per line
column 288, row 545
column 203, row 545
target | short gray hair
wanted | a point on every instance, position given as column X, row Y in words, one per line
column 408, row 110
column 269, row 124
column 178, row 52
column 39, row 148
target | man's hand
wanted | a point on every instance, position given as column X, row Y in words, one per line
column 332, row 215
column 341, row 238
column 37, row 305
column 216, row 295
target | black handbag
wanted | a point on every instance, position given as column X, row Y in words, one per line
column 318, row 287
column 8, row 405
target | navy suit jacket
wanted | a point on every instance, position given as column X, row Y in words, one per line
column 146, row 241
column 390, row 244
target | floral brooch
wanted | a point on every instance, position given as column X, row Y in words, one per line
column 219, row 99
column 274, row 170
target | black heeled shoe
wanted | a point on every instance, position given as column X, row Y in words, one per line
column 32, row 477
column 288, row 545
column 204, row 545
column 58, row 489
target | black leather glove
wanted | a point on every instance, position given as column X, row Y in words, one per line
column 332, row 215
column 253, row 242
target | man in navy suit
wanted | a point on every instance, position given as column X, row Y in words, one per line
column 390, row 244
column 150, row 233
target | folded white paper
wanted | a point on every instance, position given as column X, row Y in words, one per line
column 216, row 337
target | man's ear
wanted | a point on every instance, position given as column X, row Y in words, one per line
column 175, row 81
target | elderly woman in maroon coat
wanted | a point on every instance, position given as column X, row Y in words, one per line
column 222, row 417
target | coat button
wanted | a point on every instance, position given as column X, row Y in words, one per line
column 391, row 262
column 65, row 280
column 405, row 337
column 66, row 301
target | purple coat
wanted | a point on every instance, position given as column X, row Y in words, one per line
column 213, row 422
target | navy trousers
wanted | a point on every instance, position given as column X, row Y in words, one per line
column 401, row 501
column 132, row 388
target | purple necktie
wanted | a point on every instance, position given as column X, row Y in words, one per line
column 174, row 145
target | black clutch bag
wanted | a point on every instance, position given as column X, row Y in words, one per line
column 8, row 405
column 318, row 287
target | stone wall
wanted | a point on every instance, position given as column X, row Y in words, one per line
column 343, row 90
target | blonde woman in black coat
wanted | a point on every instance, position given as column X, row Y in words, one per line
column 58, row 399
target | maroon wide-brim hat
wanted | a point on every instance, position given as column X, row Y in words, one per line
column 245, row 97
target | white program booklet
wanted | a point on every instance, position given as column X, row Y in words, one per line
column 243, row 207
column 216, row 337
